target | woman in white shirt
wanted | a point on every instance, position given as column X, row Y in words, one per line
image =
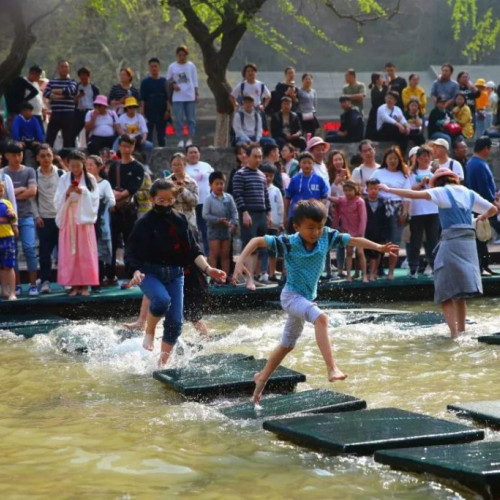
column 102, row 126
column 391, row 123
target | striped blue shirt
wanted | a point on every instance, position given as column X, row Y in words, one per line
column 250, row 191
column 67, row 103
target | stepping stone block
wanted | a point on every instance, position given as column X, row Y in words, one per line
column 323, row 304
column 476, row 465
column 228, row 375
column 30, row 324
column 363, row 432
column 313, row 401
column 487, row 412
column 493, row 339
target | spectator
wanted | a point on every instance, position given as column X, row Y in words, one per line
column 307, row 105
column 126, row 177
column 154, row 101
column 391, row 123
column 460, row 153
column 440, row 148
column 101, row 125
column 438, row 119
column 355, row 90
column 133, row 123
column 47, row 179
column 285, row 126
column 482, row 102
column 271, row 156
column 444, row 86
column 395, row 83
column 26, row 129
column 414, row 91
column 77, row 205
column 415, row 120
column 39, row 108
column 247, row 123
column 61, row 92
column 8, row 231
column 351, row 123
column 286, row 88
column 463, row 116
column 492, row 106
column 338, row 172
column 469, row 90
column 24, row 182
column 240, row 152
column 200, row 171
column 364, row 172
column 290, row 163
column 186, row 197
column 182, row 78
column 318, row 148
column 19, row 91
column 86, row 94
column 9, row 192
column 250, row 86
column 122, row 90
column 377, row 95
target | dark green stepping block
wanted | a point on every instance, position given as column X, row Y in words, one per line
column 476, row 465
column 487, row 412
column 322, row 304
column 225, row 374
column 30, row 324
column 363, row 432
column 493, row 339
column 313, row 401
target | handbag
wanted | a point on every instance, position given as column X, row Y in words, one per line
column 127, row 204
column 483, row 230
column 453, row 128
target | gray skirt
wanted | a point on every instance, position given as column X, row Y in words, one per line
column 456, row 265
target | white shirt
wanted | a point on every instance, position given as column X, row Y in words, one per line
column 186, row 77
column 257, row 90
column 362, row 173
column 277, row 206
column 200, row 172
column 37, row 101
column 454, row 166
column 106, row 192
column 421, row 207
column 87, row 101
column 133, row 126
column 103, row 126
column 245, row 126
column 392, row 179
column 461, row 196
column 386, row 115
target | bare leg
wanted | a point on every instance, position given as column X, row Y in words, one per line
column 250, row 265
column 84, row 290
column 323, row 341
column 74, row 291
column 393, row 259
column 272, row 266
column 224, row 256
column 460, row 307
column 262, row 377
column 362, row 264
column 3, row 282
column 10, row 280
column 449, row 316
column 140, row 323
column 166, row 350
column 214, row 252
column 149, row 335
column 201, row 327
column 348, row 263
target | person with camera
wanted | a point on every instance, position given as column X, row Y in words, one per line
column 126, row 177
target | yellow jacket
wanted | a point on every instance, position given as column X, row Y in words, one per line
column 418, row 93
column 463, row 116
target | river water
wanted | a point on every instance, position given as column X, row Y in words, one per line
column 99, row 426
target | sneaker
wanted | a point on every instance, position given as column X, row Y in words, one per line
column 428, row 270
column 19, row 290
column 263, row 278
column 404, row 264
column 274, row 279
column 413, row 276
column 45, row 288
column 180, row 144
column 33, row 291
column 110, row 281
column 189, row 142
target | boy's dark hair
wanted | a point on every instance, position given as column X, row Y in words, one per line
column 182, row 48
column 127, row 139
column 393, row 94
column 154, row 60
column 305, row 154
column 389, row 65
column 35, row 69
column 64, row 153
column 26, row 105
column 187, row 148
column 345, row 98
column 44, row 147
column 363, row 143
column 268, row 147
column 351, row 72
column 448, row 65
column 249, row 65
column 481, row 143
column 161, row 185
column 215, row 176
column 83, row 71
column 372, row 182
column 266, row 168
column 309, row 209
column 76, row 154
column 356, row 160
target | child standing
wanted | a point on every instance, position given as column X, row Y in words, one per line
column 8, row 232
column 77, row 205
column 304, row 253
column 219, row 210
column 377, row 225
column 351, row 215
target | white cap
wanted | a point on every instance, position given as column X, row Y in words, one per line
column 413, row 151
column 491, row 85
column 440, row 142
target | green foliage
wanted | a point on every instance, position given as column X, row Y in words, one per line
column 484, row 40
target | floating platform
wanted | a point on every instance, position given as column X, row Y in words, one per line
column 313, row 401
column 486, row 412
column 493, row 339
column 364, row 432
column 475, row 465
column 225, row 375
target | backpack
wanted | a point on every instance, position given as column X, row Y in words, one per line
column 261, row 112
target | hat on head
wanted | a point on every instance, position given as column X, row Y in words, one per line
column 314, row 141
column 413, row 151
column 480, row 82
column 442, row 172
column 131, row 102
column 101, row 100
column 13, row 147
column 286, row 98
column 491, row 85
column 440, row 142
column 248, row 97
column 441, row 98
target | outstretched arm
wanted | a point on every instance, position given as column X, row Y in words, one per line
column 389, row 248
column 405, row 193
column 252, row 246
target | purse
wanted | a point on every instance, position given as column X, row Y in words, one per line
column 483, row 230
column 127, row 204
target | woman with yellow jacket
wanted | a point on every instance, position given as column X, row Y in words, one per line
column 414, row 91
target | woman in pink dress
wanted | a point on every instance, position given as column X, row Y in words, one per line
column 77, row 204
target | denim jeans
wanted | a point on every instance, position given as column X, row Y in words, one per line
column 48, row 237
column 163, row 286
column 202, row 227
column 185, row 109
column 27, row 236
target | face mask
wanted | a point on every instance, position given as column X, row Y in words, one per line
column 162, row 210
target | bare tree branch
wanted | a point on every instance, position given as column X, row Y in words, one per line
column 361, row 18
column 45, row 14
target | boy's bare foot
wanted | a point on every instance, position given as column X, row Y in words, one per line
column 366, row 280
column 84, row 291
column 136, row 325
column 10, row 297
column 250, row 284
column 73, row 292
column 390, row 275
column 260, row 384
column 149, row 341
column 336, row 374
column 162, row 361
column 349, row 279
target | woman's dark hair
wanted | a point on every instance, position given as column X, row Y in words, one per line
column 332, row 173
column 80, row 156
column 353, row 185
column 129, row 72
column 305, row 75
column 402, row 166
column 97, row 160
column 161, row 185
column 309, row 209
column 249, row 65
column 447, row 179
column 413, row 75
column 422, row 150
column 216, row 175
column 128, row 139
column 182, row 156
column 462, row 94
column 373, row 79
column 240, row 146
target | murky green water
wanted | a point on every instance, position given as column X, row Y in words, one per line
column 99, row 426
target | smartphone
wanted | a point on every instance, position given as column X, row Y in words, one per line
column 74, row 183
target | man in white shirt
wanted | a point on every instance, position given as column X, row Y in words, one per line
column 318, row 148
column 391, row 123
column 247, row 123
column 362, row 173
column 199, row 171
column 37, row 102
column 182, row 77
column 250, row 86
column 440, row 148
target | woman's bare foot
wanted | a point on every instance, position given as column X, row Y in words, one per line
column 136, row 325
column 84, row 291
column 74, row 291
column 162, row 361
column 366, row 280
column 390, row 275
column 11, row 297
column 259, row 387
column 349, row 278
column 149, row 341
column 251, row 284
column 336, row 374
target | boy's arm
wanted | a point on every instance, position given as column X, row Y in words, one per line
column 370, row 245
column 206, row 212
